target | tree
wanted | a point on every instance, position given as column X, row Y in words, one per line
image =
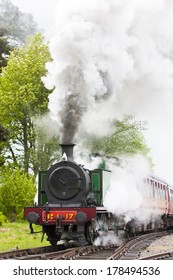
column 14, row 23
column 15, row 26
column 16, row 191
column 5, row 49
column 46, row 150
column 126, row 139
column 3, row 141
column 23, row 97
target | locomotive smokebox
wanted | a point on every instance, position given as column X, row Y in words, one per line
column 67, row 150
column 66, row 183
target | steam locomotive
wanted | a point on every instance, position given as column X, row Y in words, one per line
column 71, row 203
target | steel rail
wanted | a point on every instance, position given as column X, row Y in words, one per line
column 124, row 248
column 29, row 251
column 158, row 256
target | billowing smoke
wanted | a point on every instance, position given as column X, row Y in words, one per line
column 127, row 191
column 127, row 188
column 126, row 195
column 86, row 58
column 110, row 57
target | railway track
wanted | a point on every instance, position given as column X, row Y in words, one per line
column 128, row 250
column 161, row 256
column 132, row 250
column 86, row 252
column 26, row 253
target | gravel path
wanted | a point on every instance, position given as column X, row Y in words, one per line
column 161, row 245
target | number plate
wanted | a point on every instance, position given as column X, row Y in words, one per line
column 69, row 216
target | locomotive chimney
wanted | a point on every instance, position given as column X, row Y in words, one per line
column 67, row 150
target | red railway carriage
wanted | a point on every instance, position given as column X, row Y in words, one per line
column 159, row 201
column 158, row 193
column 170, row 201
column 161, row 194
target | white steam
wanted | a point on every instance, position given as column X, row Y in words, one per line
column 127, row 193
column 110, row 57
column 108, row 239
column 127, row 188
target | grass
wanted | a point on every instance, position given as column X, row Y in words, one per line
column 17, row 235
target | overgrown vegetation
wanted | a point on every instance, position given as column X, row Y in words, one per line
column 17, row 236
column 3, row 219
column 17, row 190
column 24, row 97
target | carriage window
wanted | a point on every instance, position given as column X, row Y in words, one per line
column 171, row 192
column 160, row 191
column 157, row 190
column 153, row 189
column 165, row 193
column 171, row 195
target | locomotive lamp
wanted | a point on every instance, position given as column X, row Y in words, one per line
column 32, row 217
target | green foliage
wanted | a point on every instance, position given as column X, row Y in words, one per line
column 17, row 190
column 20, row 84
column 127, row 139
column 3, row 142
column 23, row 96
column 5, row 49
column 46, row 150
column 3, row 219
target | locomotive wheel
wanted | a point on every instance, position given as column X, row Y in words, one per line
column 92, row 237
column 100, row 223
column 53, row 242
column 52, row 238
column 91, row 232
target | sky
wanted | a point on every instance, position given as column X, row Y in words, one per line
column 43, row 12
column 160, row 133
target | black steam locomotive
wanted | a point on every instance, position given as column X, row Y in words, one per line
column 70, row 201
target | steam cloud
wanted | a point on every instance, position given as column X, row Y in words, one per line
column 110, row 57
column 125, row 197
column 127, row 187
